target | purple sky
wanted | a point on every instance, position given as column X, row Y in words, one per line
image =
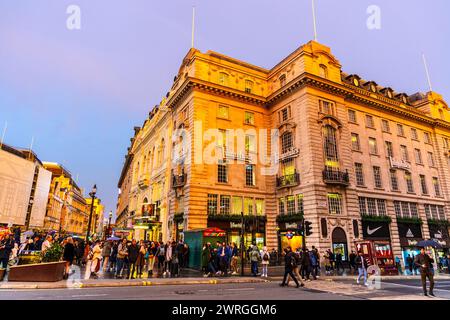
column 80, row 92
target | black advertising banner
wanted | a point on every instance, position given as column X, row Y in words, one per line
column 409, row 230
column 375, row 230
column 440, row 234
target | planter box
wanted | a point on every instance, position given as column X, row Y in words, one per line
column 41, row 272
column 2, row 274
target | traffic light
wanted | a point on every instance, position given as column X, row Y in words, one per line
column 308, row 228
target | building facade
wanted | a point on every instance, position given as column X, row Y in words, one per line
column 67, row 211
column 364, row 164
column 24, row 185
column 97, row 216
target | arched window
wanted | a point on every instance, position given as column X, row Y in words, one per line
column 323, row 71
column 330, row 147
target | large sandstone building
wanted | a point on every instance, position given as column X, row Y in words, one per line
column 366, row 165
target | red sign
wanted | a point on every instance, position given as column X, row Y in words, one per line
column 214, row 232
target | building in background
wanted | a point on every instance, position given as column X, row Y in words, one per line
column 124, row 186
column 367, row 166
column 67, row 210
column 24, row 185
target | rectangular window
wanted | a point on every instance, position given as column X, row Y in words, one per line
column 385, row 126
column 284, row 114
column 212, row 204
column 248, row 86
column 326, row 107
column 281, row 209
column 248, row 206
column 394, row 181
column 250, row 143
column 334, row 203
column 290, row 201
column 430, row 159
column 224, row 204
column 446, row 143
column 237, row 205
column 409, row 183
column 249, row 117
column 372, row 206
column 423, row 184
column 434, row 212
column 405, row 209
column 286, row 142
column 352, row 115
column 223, row 112
column 400, row 130
column 414, row 135
column 373, row 149
column 223, row 78
column 369, row 121
column 250, row 179
column 418, row 156
column 437, row 188
column 389, row 149
column 377, row 177
column 222, row 173
column 404, row 153
column 299, row 203
column 259, row 207
column 426, row 137
column 355, row 142
column 359, row 174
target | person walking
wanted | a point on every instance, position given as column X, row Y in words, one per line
column 424, row 262
column 122, row 253
column 361, row 264
column 305, row 268
column 206, row 255
column 6, row 246
column 234, row 259
column 313, row 258
column 327, row 263
column 296, row 268
column 289, row 264
column 106, row 253
column 68, row 256
column 254, row 259
column 96, row 259
column 167, row 259
column 338, row 262
column 140, row 261
column 265, row 259
column 410, row 263
column 186, row 252
column 46, row 244
column 351, row 261
column 161, row 255
column 133, row 252
column 151, row 253
column 175, row 263
column 113, row 258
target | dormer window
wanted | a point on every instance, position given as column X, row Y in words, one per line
column 373, row 88
column 248, row 86
column 223, row 78
column 387, row 92
column 323, row 71
column 282, row 80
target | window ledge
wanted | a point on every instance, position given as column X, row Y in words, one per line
column 354, row 150
column 375, row 154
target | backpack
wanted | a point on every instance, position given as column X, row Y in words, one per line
column 266, row 257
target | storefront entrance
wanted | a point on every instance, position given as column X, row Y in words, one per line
column 410, row 234
column 339, row 243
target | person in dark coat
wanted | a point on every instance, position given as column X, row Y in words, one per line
column 68, row 255
column 206, row 256
column 6, row 246
column 289, row 264
column 425, row 263
column 133, row 251
column 305, row 269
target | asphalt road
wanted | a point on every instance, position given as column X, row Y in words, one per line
column 244, row 291
column 390, row 289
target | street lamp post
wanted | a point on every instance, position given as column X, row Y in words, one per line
column 109, row 223
column 92, row 194
column 242, row 244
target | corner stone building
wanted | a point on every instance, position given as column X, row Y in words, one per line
column 351, row 154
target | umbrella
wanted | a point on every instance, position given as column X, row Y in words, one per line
column 52, row 232
column 28, row 233
column 428, row 243
column 113, row 239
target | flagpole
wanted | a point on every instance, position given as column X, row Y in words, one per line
column 426, row 71
column 193, row 27
column 3, row 134
column 314, row 20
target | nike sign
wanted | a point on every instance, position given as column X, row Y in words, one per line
column 369, row 232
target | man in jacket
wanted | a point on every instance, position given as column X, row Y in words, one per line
column 106, row 253
column 424, row 262
column 289, row 264
column 361, row 264
column 122, row 253
column 133, row 251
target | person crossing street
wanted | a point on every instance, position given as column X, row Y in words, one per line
column 424, row 262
